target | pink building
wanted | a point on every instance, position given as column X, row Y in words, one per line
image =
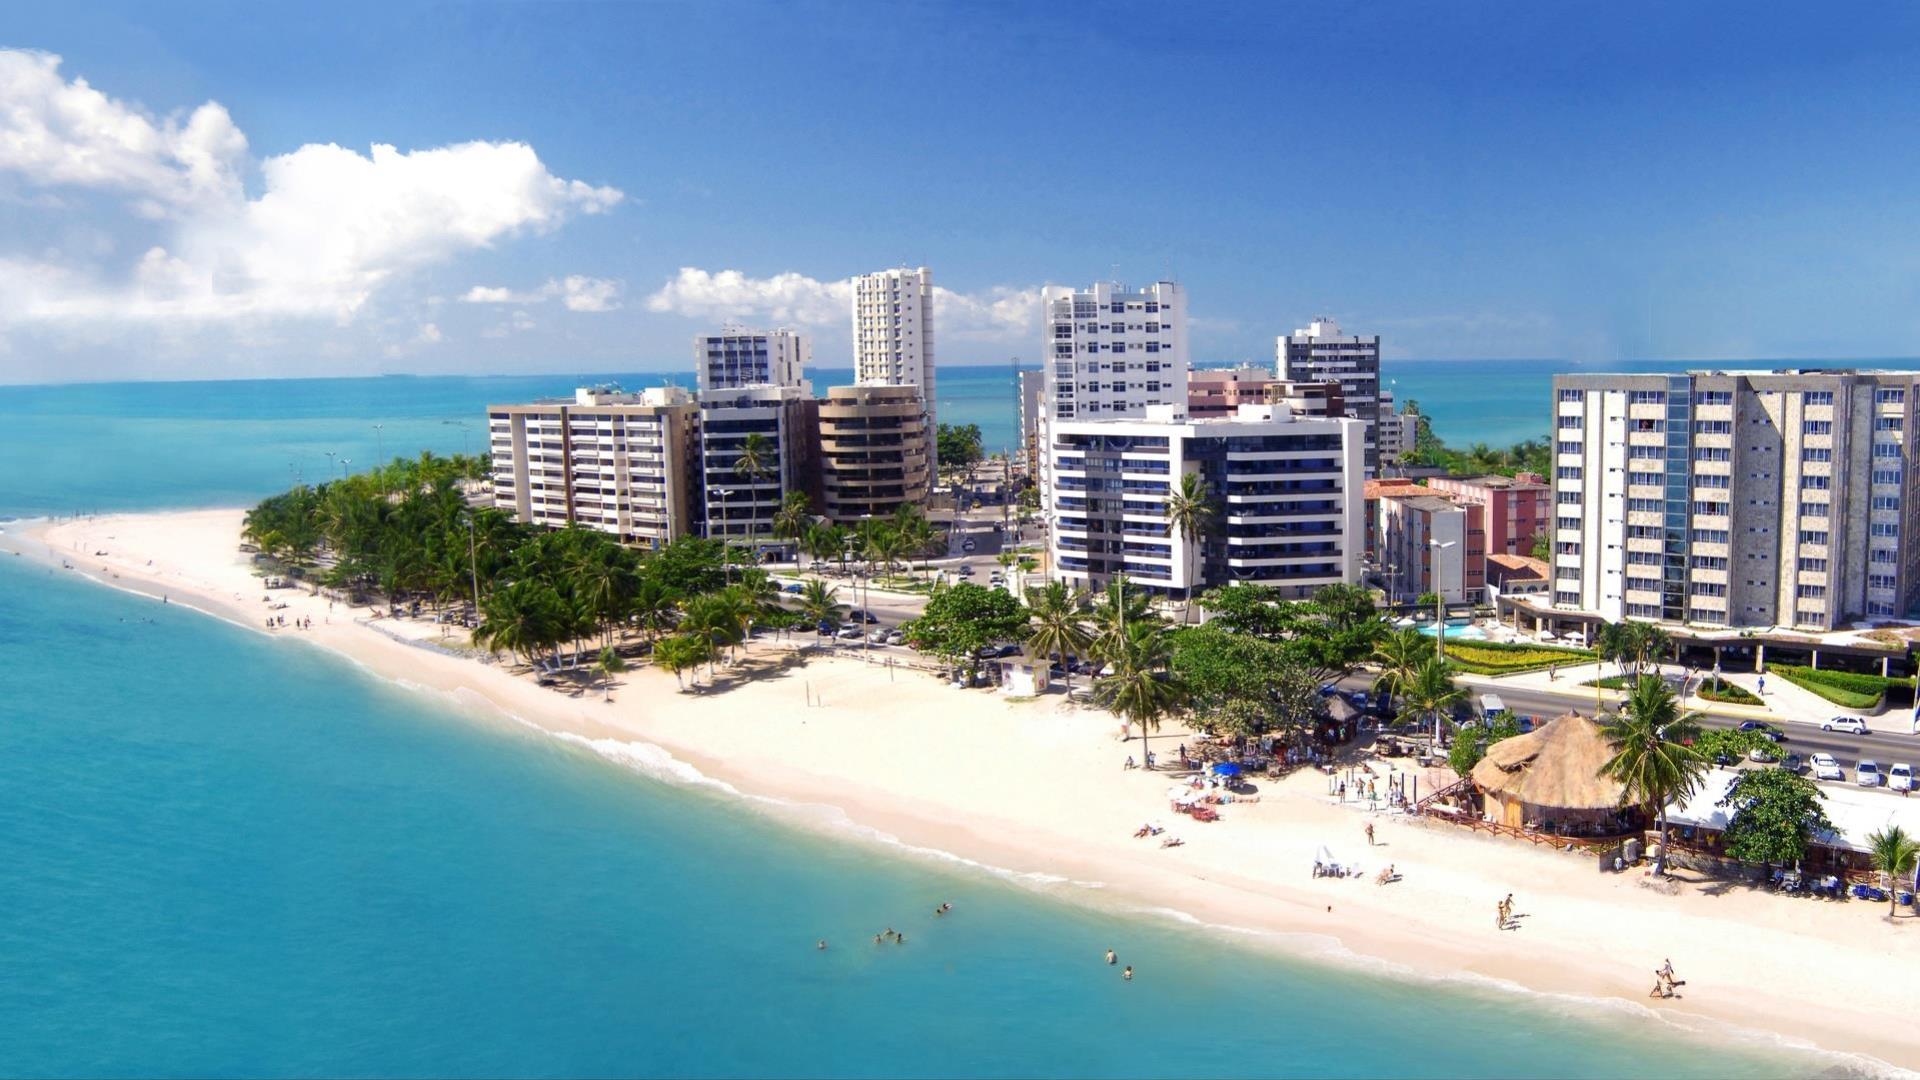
column 1518, row 508
column 1214, row 394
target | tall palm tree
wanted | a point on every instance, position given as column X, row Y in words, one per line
column 820, row 603
column 678, row 653
column 1400, row 655
column 609, row 665
column 1431, row 694
column 1142, row 690
column 1651, row 758
column 652, row 607
column 1894, row 854
column 524, row 619
column 713, row 618
column 795, row 515
column 1190, row 517
column 1121, row 607
column 1059, row 624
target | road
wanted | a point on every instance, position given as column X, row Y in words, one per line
column 1803, row 739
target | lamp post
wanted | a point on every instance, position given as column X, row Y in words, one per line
column 380, row 449
column 344, row 462
column 1439, row 610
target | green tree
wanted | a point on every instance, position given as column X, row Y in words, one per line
column 795, row 515
column 1894, row 853
column 1651, row 758
column 1543, row 547
column 962, row 619
column 958, row 446
column 1775, row 814
column 1190, row 514
column 1141, row 689
column 1431, row 695
column 1400, row 655
column 1059, row 624
column 1470, row 744
column 610, row 664
column 679, row 653
column 820, row 603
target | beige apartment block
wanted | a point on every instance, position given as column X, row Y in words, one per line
column 622, row 463
column 874, row 450
column 1735, row 498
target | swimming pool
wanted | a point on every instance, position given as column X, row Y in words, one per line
column 1459, row 631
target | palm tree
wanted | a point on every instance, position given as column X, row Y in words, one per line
column 524, row 618
column 610, row 665
column 1059, row 624
column 795, row 515
column 820, row 603
column 1651, row 758
column 1894, row 854
column 652, row 607
column 710, row 618
column 1400, row 655
column 1190, row 515
column 1141, row 689
column 678, row 653
column 1121, row 607
column 1431, row 693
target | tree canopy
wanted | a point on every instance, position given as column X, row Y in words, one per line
column 1775, row 815
column 960, row 620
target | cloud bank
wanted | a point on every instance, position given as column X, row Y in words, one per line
column 328, row 229
column 1000, row 313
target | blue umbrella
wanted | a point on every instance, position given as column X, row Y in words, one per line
column 1226, row 768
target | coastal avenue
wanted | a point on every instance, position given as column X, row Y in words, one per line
column 1803, row 739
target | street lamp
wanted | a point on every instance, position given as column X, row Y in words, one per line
column 1440, row 608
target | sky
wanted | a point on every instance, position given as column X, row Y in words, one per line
column 248, row 190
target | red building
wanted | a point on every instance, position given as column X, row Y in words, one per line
column 1518, row 508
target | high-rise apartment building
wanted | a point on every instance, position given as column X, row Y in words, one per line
column 618, row 462
column 1029, row 387
column 893, row 337
column 1519, row 507
column 1114, row 352
column 1321, row 353
column 1287, row 492
column 1736, row 499
column 734, row 358
column 1430, row 543
column 745, row 479
column 1215, row 392
column 873, row 451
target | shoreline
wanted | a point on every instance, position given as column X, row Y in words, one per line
column 1032, row 792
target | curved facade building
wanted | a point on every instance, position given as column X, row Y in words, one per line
column 874, row 450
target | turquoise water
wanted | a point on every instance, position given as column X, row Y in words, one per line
column 227, row 854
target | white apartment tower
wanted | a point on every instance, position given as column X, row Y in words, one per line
column 1112, row 352
column 1321, row 353
column 734, row 358
column 893, row 337
column 1736, row 499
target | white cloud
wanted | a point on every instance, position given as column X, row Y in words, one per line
column 429, row 334
column 577, row 292
column 329, row 229
column 796, row 299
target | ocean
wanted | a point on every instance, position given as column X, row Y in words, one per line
column 227, row 854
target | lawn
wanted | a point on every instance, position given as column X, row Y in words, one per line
column 1847, row 689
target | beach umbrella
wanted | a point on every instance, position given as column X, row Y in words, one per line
column 1324, row 857
column 1226, row 768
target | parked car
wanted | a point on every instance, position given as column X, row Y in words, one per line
column 878, row 637
column 967, row 546
column 850, row 633
column 1793, row 763
column 1762, row 755
column 1900, row 777
column 1359, row 700
column 964, row 570
column 795, row 588
column 1763, row 728
column 1867, row 774
column 1826, row 768
column 896, row 637
column 867, row 617
column 1852, row 725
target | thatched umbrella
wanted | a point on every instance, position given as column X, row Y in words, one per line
column 1555, row 767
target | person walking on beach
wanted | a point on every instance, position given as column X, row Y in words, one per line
column 1369, row 834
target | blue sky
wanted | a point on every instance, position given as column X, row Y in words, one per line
column 585, row 186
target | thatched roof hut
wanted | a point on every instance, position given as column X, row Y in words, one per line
column 1551, row 773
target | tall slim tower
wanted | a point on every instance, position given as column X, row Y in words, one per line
column 893, row 334
column 1319, row 352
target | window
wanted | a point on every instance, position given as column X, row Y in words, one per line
column 1713, row 427
column 1709, row 588
column 1818, row 397
column 1890, row 396
column 1810, row 615
column 1569, row 523
column 1565, row 498
column 1886, row 502
column 1567, row 472
column 1810, row 565
column 1573, row 395
column 1815, row 483
column 1883, row 556
column 1568, row 448
column 1813, row 509
column 1708, row 480
column 1816, row 427
column 1882, row 581
column 1652, row 478
column 1706, row 615
column 1884, row 528
column 1569, row 599
column 1712, row 453
column 1878, row 607
column 1886, row 476
column 1567, row 573
column 1638, row 451
column 1888, row 423
column 1643, row 558
column 1710, row 536
column 1646, row 397
column 1644, row 611
column 1572, row 423
column 1813, row 536
column 1713, row 397
column 1886, row 450
column 1710, row 562
column 1816, row 453
column 1567, row 547
column 1647, row 505
column 1701, row 506
column 1810, row 592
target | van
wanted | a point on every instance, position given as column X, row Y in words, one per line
column 1491, row 707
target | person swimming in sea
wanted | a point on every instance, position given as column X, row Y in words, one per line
column 1127, row 974
column 1111, row 958
column 821, row 945
column 945, row 907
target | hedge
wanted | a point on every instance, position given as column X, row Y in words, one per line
column 1844, row 688
column 1498, row 658
column 1728, row 693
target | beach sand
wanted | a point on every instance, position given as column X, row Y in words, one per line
column 1037, row 788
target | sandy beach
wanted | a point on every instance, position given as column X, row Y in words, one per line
column 1037, row 788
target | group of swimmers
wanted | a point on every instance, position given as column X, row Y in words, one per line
column 1112, row 959
column 890, row 934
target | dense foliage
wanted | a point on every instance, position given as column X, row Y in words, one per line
column 1654, row 759
column 1500, row 658
column 1478, row 459
column 960, row 620
column 1774, row 815
column 1327, row 636
column 1241, row 684
column 1470, row 744
column 959, row 447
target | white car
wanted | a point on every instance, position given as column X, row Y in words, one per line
column 849, row 633
column 1825, row 768
column 1867, row 774
column 878, row 637
column 1852, row 725
column 1900, row 777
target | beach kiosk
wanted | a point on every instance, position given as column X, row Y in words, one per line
column 1548, row 780
column 1025, row 675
